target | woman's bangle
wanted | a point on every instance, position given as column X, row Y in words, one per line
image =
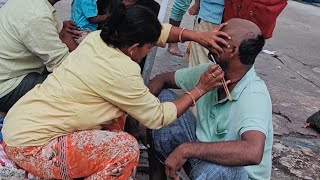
column 193, row 100
column 180, row 34
column 199, row 91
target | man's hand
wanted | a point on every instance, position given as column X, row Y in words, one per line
column 213, row 40
column 72, row 29
column 162, row 81
column 174, row 162
column 194, row 10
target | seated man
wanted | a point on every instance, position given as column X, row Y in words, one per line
column 31, row 39
column 228, row 139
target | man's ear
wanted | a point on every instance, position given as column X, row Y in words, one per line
column 133, row 48
column 234, row 51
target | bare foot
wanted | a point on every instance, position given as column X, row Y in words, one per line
column 173, row 49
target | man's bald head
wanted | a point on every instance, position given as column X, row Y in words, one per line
column 247, row 37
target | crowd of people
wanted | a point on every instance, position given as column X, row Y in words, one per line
column 66, row 89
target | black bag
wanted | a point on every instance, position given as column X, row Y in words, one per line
column 314, row 121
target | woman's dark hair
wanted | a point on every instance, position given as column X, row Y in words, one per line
column 151, row 4
column 129, row 25
column 250, row 48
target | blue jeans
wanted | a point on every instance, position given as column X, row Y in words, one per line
column 183, row 130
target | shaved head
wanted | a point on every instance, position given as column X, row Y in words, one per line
column 246, row 40
column 241, row 29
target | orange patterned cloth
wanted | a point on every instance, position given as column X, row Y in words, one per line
column 93, row 154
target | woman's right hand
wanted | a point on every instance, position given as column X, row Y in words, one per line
column 211, row 79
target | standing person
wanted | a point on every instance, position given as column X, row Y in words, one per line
column 179, row 8
column 32, row 39
column 62, row 136
column 210, row 16
column 84, row 13
column 229, row 139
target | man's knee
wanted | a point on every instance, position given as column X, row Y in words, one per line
column 206, row 170
column 167, row 95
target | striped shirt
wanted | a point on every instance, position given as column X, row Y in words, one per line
column 211, row 10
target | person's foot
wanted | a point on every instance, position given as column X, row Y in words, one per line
column 173, row 49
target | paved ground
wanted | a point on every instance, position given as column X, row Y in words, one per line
column 293, row 80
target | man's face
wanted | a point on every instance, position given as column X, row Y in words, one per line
column 224, row 58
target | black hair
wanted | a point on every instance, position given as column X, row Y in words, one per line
column 250, row 48
column 129, row 25
column 104, row 6
column 151, row 4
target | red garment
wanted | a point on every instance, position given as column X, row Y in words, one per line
column 93, row 154
column 263, row 13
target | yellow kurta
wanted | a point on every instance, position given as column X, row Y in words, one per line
column 92, row 86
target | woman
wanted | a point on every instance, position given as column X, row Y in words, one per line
column 55, row 130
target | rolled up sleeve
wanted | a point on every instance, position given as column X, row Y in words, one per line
column 41, row 37
column 131, row 95
column 166, row 28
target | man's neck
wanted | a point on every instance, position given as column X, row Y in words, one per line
column 235, row 74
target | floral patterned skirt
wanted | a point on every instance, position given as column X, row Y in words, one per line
column 92, row 154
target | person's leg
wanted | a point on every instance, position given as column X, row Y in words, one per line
column 206, row 170
column 199, row 54
column 182, row 130
column 179, row 8
column 94, row 154
column 26, row 85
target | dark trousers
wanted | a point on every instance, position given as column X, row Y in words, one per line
column 26, row 85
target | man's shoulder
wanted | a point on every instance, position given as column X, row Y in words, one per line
column 28, row 11
column 257, row 85
column 256, row 91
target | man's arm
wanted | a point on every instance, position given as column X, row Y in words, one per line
column 162, row 81
column 194, row 10
column 247, row 151
column 68, row 39
column 45, row 42
column 98, row 19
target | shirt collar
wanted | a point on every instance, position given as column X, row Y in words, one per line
column 52, row 9
column 243, row 83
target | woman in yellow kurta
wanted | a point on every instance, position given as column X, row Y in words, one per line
column 55, row 130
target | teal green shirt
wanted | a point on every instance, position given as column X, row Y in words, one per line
column 250, row 109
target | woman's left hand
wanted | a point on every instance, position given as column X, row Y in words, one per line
column 213, row 40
